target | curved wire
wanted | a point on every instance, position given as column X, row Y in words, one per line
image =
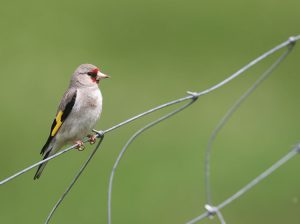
column 291, row 154
column 291, row 40
column 133, row 137
column 74, row 180
column 227, row 116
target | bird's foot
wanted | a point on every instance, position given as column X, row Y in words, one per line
column 80, row 146
column 92, row 138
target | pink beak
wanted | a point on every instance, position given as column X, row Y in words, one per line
column 102, row 76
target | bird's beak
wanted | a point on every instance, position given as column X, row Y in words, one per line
column 102, row 76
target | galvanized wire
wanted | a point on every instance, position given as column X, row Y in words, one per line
column 229, row 113
column 220, row 84
column 132, row 138
column 295, row 151
column 101, row 136
column 191, row 96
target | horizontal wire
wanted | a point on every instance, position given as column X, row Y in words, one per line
column 36, row 164
column 192, row 95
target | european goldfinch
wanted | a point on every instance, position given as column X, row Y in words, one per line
column 78, row 111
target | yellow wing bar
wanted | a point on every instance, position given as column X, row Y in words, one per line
column 58, row 123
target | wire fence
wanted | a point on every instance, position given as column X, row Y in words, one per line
column 191, row 98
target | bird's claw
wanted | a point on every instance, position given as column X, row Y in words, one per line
column 80, row 146
column 92, row 138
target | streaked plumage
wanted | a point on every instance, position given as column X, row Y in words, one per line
column 77, row 113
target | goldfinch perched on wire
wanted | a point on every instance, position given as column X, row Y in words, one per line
column 77, row 113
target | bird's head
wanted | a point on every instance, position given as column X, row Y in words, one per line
column 87, row 75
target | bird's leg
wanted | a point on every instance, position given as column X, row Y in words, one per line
column 80, row 146
column 92, row 138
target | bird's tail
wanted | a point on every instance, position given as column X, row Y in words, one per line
column 42, row 166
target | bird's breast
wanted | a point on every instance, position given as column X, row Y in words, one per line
column 84, row 115
column 87, row 109
column 89, row 100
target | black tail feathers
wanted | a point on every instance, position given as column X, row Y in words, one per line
column 41, row 166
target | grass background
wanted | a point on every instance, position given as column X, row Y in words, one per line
column 154, row 51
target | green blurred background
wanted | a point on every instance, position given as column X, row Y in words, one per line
column 155, row 51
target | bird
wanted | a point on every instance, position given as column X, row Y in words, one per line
column 77, row 113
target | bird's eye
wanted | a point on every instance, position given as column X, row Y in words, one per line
column 92, row 74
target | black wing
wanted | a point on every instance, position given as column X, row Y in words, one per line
column 64, row 110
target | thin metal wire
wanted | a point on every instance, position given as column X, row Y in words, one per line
column 290, row 43
column 215, row 211
column 36, row 164
column 74, row 180
column 220, row 217
column 252, row 63
column 295, row 151
column 104, row 132
column 218, row 85
column 229, row 113
column 262, row 176
column 132, row 138
column 195, row 95
column 199, row 218
column 192, row 96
